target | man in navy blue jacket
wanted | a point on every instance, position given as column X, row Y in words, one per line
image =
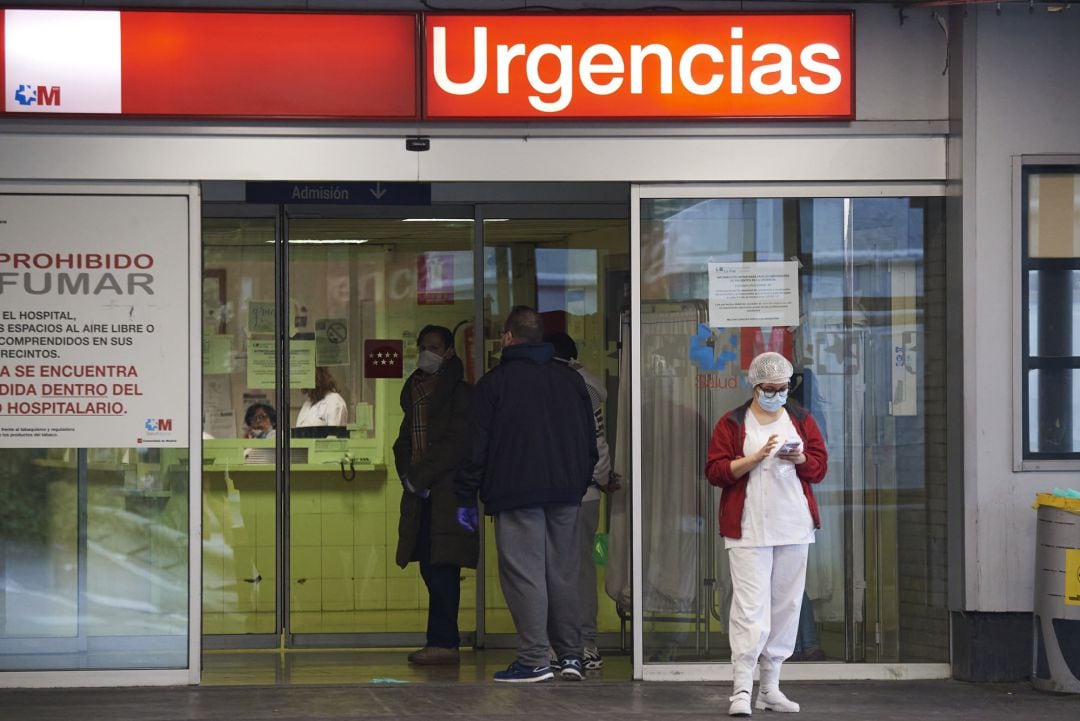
column 533, row 452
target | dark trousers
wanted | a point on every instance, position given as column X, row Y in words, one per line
column 443, row 583
column 444, row 594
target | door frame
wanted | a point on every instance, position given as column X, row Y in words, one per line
column 191, row 673
column 721, row 671
column 487, row 206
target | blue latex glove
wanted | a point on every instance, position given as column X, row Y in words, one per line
column 468, row 519
column 409, row 487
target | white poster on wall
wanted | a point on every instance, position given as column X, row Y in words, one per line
column 753, row 294
column 94, row 347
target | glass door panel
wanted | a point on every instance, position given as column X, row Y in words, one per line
column 39, row 549
column 359, row 291
column 240, row 424
column 870, row 307
column 93, row 558
column 575, row 272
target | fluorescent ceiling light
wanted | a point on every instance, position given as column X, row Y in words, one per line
column 313, row 241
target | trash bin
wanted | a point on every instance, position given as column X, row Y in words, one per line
column 1056, row 653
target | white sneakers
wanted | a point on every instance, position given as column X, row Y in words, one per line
column 740, row 704
column 775, row 700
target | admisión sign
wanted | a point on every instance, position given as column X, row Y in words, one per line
column 639, row 66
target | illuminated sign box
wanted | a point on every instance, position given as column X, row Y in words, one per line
column 199, row 64
column 474, row 67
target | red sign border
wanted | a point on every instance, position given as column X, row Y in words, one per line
column 420, row 49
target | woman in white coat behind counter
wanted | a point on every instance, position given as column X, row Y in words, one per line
column 324, row 406
column 765, row 454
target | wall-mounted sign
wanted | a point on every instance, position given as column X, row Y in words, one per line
column 523, row 66
column 338, row 193
column 639, row 66
column 754, row 294
column 262, row 364
column 209, row 64
column 435, row 279
column 383, row 358
column 331, row 342
column 93, row 321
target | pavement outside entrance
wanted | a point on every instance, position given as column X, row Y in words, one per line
column 554, row 701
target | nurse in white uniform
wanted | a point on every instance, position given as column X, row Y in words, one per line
column 324, row 405
column 765, row 454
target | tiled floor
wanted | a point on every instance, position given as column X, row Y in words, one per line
column 553, row 701
column 350, row 667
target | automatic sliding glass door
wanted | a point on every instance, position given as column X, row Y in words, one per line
column 576, row 271
column 865, row 296
column 241, row 478
column 359, row 290
column 306, row 550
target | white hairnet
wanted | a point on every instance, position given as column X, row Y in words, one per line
column 769, row 368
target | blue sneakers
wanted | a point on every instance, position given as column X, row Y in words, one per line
column 593, row 661
column 570, row 669
column 516, row 673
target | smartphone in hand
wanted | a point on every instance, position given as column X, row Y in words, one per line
column 791, row 446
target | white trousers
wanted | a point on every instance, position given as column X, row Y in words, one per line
column 767, row 590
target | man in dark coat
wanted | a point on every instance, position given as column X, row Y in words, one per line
column 431, row 447
column 533, row 451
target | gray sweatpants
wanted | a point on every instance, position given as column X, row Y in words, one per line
column 539, row 550
column 588, row 521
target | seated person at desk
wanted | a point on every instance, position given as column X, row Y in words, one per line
column 324, row 405
column 260, row 421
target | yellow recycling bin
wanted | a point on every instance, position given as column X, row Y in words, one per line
column 1056, row 656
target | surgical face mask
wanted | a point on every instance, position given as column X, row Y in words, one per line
column 772, row 402
column 429, row 362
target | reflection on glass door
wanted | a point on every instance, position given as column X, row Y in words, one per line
column 870, row 299
column 359, row 291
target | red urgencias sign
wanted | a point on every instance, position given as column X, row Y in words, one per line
column 639, row 66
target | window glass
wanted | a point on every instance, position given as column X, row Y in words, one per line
column 75, row 601
column 240, row 521
column 1051, row 292
column 360, row 291
column 866, row 345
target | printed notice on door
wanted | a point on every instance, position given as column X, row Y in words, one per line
column 94, row 342
column 753, row 294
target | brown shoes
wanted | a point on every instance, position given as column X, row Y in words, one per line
column 811, row 654
column 435, row 656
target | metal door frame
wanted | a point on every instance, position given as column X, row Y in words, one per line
column 477, row 212
column 721, row 671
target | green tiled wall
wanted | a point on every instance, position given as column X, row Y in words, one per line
column 345, row 580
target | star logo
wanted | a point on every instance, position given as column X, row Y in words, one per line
column 26, row 95
column 383, row 358
column 711, row 349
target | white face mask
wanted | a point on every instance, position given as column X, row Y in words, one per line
column 429, row 361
